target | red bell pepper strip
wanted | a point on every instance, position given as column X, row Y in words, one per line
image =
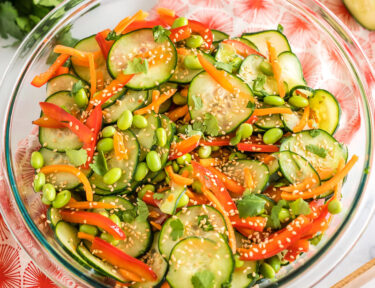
column 219, row 141
column 43, row 78
column 148, row 198
column 143, row 24
column 253, row 223
column 69, row 121
column 48, row 122
column 104, row 44
column 241, row 48
column 184, row 147
column 319, row 224
column 280, row 241
column 252, row 119
column 180, row 33
column 250, row 147
column 297, row 248
column 94, row 122
column 232, row 185
column 96, row 219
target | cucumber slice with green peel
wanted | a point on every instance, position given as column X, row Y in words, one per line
column 363, row 12
column 273, row 165
column 206, row 96
column 131, row 188
column 61, row 180
column 301, row 90
column 131, row 100
column 156, row 262
column 53, row 216
column 66, row 235
column 201, row 220
column 259, row 173
column 128, row 46
column 168, row 204
column 165, row 106
column 269, row 122
column 195, row 255
column 89, row 44
column 170, row 129
column 219, row 35
column 328, row 152
column 291, row 70
column 99, row 265
column 326, row 109
column 113, row 99
column 225, row 53
column 296, row 169
column 276, row 38
column 128, row 167
column 247, row 42
column 290, row 121
column 62, row 82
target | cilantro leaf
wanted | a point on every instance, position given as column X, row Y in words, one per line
column 259, row 82
column 224, row 66
column 129, row 215
column 112, row 36
column 299, row 207
column 203, row 279
column 189, row 131
column 8, row 22
column 177, row 229
column 77, row 157
column 47, row 3
column 99, row 165
column 160, row 34
column 158, row 196
column 320, row 151
column 77, row 86
column 197, row 102
column 280, row 28
column 314, row 133
column 204, row 223
column 142, row 210
column 275, row 211
column 211, row 123
column 137, row 65
column 251, row 205
column 250, row 105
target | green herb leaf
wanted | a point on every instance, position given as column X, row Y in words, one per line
column 77, row 157
column 112, row 36
column 177, row 229
column 99, row 164
column 320, row 151
column 129, row 215
column 250, row 105
column 203, row 279
column 224, row 66
column 189, row 131
column 137, row 65
column 250, row 205
column 314, row 133
column 299, row 207
column 8, row 22
column 259, row 83
column 210, row 122
column 197, row 102
column 47, row 3
column 280, row 28
column 142, row 210
column 204, row 223
column 160, row 34
column 158, row 196
column 274, row 218
column 315, row 241
column 77, row 86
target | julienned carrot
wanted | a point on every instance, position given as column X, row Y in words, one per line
column 270, row 111
column 326, row 186
column 62, row 70
column 337, row 190
column 166, row 12
column 89, row 205
column 183, row 147
column 83, row 235
column 165, row 285
column 196, row 199
column 61, row 49
column 123, row 24
column 305, row 184
column 184, row 91
column 187, row 117
column 156, row 104
column 302, row 123
column 209, row 162
column 85, row 61
column 276, row 69
column 99, row 80
column 129, row 275
column 249, row 181
column 92, row 73
column 178, row 113
column 76, row 172
column 178, row 179
column 232, row 185
column 43, row 78
column 182, row 51
column 119, row 146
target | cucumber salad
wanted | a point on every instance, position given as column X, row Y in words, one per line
column 174, row 155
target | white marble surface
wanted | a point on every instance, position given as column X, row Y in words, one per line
column 363, row 252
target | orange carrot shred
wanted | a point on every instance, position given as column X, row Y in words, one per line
column 274, row 110
column 304, row 119
column 178, row 113
column 178, row 179
column 123, row 24
column 276, row 69
column 249, row 181
column 70, row 51
column 156, row 104
column 83, row 235
column 155, row 225
column 119, row 146
column 130, row 275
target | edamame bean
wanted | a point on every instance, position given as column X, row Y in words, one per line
column 115, row 219
column 184, row 159
column 236, row 156
column 109, row 238
column 275, row 263
column 272, row 136
column 204, row 152
column 178, row 99
column 144, row 190
column 49, row 192
column 104, row 213
column 112, row 176
column 179, row 22
column 62, row 199
column 46, row 201
column 266, row 68
column 267, row 271
column 298, row 101
column 105, row 145
column 236, row 63
column 175, row 167
column 39, row 181
column 37, row 160
column 334, row 207
column 161, row 135
column 235, row 140
column 274, row 100
column 139, row 122
column 184, row 200
column 89, row 229
column 245, row 130
column 125, row 121
column 153, row 161
column 215, row 148
column 197, row 186
column 284, row 215
column 141, row 171
column 108, row 132
column 238, row 262
column 194, row 41
column 192, row 62
column 81, row 98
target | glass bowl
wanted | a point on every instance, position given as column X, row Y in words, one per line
column 330, row 57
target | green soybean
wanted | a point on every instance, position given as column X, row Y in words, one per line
column 272, row 136
column 39, row 181
column 125, row 121
column 105, row 145
column 194, row 41
column 62, row 199
column 141, row 171
column 115, row 219
column 175, row 167
column 139, row 122
column 334, row 207
column 284, row 215
column 235, row 140
column 178, row 99
column 275, row 263
column 161, row 135
column 81, row 98
column 184, row 159
column 49, row 192
column 46, row 201
column 184, row 200
column 192, row 62
column 179, row 22
column 144, row 190
column 109, row 238
column 238, row 262
column 215, row 148
column 37, row 160
column 197, row 186
column 204, row 152
column 112, row 176
column 153, row 161
column 104, row 213
column 245, row 130
column 108, row 132
column 266, row 68
column 298, row 101
column 267, row 271
column 89, row 229
column 274, row 100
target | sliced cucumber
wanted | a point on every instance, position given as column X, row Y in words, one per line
column 228, row 109
column 269, row 121
column 62, row 82
column 277, row 40
column 195, row 221
column 131, row 100
column 225, row 53
column 259, row 172
column 61, row 180
column 53, row 216
column 219, row 35
column 304, row 90
column 326, row 109
column 325, row 166
column 193, row 255
column 134, row 43
column 247, row 42
column 291, row 70
column 128, row 167
column 114, row 98
column 273, row 165
column 363, row 11
column 290, row 121
column 170, row 128
column 168, row 204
